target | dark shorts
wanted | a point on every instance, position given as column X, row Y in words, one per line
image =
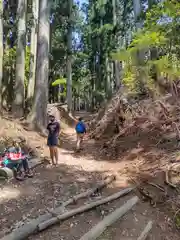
column 52, row 141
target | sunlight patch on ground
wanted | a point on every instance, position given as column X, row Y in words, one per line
column 8, row 193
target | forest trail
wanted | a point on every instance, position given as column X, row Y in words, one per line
column 76, row 173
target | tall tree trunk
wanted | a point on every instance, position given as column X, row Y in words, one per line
column 137, row 6
column 69, row 57
column 38, row 116
column 33, row 53
column 1, row 50
column 116, row 63
column 108, row 78
column 141, row 76
column 18, row 103
column 151, row 3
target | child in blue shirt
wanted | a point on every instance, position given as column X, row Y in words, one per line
column 80, row 132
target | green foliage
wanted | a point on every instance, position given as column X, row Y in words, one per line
column 177, row 220
column 27, row 66
column 9, row 57
column 160, row 34
column 10, row 60
column 59, row 81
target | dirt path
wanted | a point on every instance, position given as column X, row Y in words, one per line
column 75, row 173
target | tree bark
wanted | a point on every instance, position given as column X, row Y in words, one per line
column 82, row 209
column 33, row 53
column 137, row 7
column 69, row 57
column 1, row 50
column 38, row 115
column 97, row 230
column 116, row 63
column 18, row 103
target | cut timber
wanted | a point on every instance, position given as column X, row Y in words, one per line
column 146, row 231
column 82, row 209
column 97, row 230
column 88, row 193
column 32, row 227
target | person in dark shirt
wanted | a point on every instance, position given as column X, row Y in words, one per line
column 54, row 130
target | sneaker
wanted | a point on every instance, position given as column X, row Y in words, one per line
column 20, row 178
column 29, row 174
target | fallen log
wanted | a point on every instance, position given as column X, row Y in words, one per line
column 32, row 227
column 97, row 230
column 82, row 209
column 89, row 192
column 146, row 231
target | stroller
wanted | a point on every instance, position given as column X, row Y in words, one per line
column 14, row 158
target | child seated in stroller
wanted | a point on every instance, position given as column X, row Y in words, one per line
column 15, row 159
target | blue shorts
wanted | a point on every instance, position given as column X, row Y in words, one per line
column 52, row 141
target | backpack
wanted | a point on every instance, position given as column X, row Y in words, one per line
column 80, row 128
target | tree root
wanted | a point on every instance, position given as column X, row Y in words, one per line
column 157, row 186
column 167, row 179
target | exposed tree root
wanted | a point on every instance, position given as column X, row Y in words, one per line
column 157, row 186
column 167, row 179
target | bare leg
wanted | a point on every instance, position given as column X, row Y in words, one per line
column 51, row 150
column 56, row 154
column 78, row 142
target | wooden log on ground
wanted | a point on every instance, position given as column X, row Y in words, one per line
column 89, row 192
column 146, row 231
column 32, row 227
column 97, row 230
column 82, row 209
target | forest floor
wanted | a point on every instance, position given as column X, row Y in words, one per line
column 21, row 201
